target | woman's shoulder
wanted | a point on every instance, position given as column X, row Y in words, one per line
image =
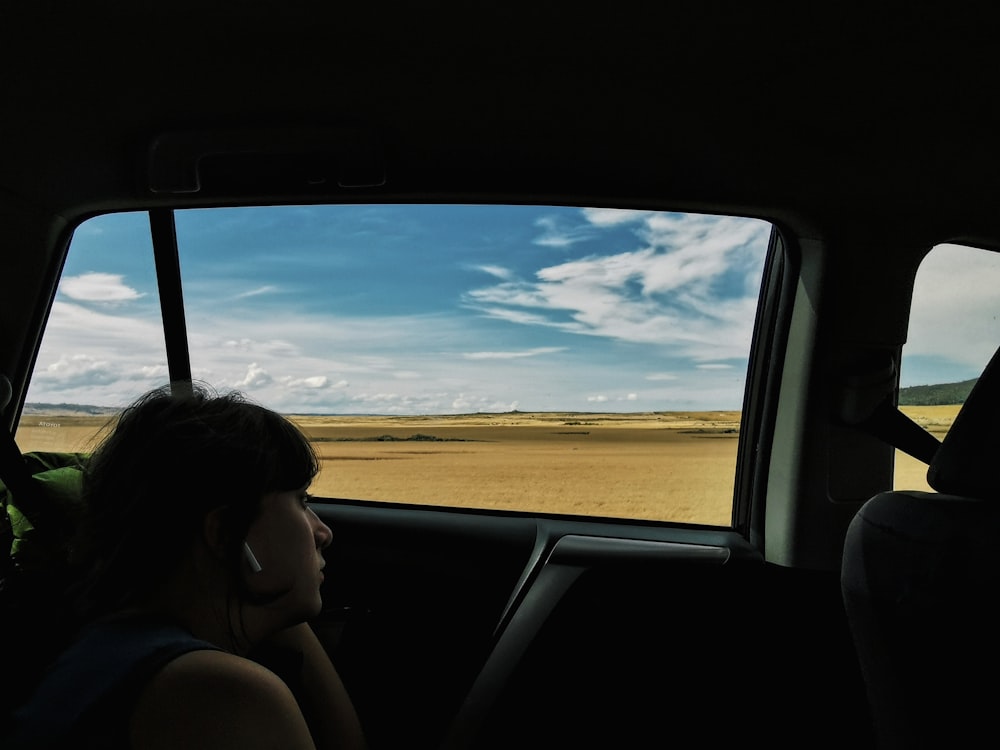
column 219, row 668
column 216, row 699
column 94, row 682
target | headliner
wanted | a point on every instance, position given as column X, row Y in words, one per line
column 822, row 116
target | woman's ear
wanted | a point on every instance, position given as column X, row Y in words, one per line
column 214, row 532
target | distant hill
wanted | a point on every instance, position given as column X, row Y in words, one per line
column 936, row 395
column 69, row 410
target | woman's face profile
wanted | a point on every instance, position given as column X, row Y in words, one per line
column 287, row 539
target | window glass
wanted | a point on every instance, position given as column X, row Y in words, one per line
column 103, row 342
column 525, row 358
column 954, row 330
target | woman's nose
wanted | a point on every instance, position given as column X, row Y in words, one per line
column 322, row 533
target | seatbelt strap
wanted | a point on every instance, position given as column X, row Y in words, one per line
column 868, row 403
column 890, row 425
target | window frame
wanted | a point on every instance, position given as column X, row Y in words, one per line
column 758, row 410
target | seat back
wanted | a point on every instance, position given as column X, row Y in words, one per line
column 921, row 586
column 40, row 505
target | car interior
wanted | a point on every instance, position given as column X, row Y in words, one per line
column 837, row 602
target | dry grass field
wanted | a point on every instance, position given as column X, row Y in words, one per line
column 910, row 473
column 671, row 466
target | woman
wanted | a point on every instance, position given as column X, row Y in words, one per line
column 203, row 564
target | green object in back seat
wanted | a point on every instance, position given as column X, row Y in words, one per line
column 59, row 480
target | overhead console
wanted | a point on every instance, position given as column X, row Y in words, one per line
column 263, row 160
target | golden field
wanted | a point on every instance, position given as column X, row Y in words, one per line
column 673, row 466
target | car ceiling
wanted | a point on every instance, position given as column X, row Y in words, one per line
column 821, row 116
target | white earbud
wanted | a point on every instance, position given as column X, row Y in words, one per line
column 251, row 558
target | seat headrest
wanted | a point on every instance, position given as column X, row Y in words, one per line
column 968, row 461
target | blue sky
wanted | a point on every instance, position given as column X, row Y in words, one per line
column 425, row 309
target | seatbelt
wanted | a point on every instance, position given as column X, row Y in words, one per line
column 890, row 425
column 868, row 404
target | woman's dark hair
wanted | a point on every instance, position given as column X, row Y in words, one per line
column 168, row 460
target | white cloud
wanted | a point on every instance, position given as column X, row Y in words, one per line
column 498, row 271
column 91, row 228
column 519, row 316
column 267, row 289
column 609, row 217
column 514, row 354
column 255, row 377
column 604, row 399
column 467, row 404
column 666, row 293
column 77, row 368
column 91, row 357
column 98, row 287
column 956, row 310
column 314, row 382
column 556, row 233
column 246, row 345
column 345, row 365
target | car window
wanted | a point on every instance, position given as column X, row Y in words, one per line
column 953, row 332
column 527, row 358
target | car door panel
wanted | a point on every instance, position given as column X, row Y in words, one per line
column 462, row 630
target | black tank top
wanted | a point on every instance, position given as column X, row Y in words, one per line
column 87, row 697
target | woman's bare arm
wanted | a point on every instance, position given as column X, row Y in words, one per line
column 322, row 698
column 214, row 700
